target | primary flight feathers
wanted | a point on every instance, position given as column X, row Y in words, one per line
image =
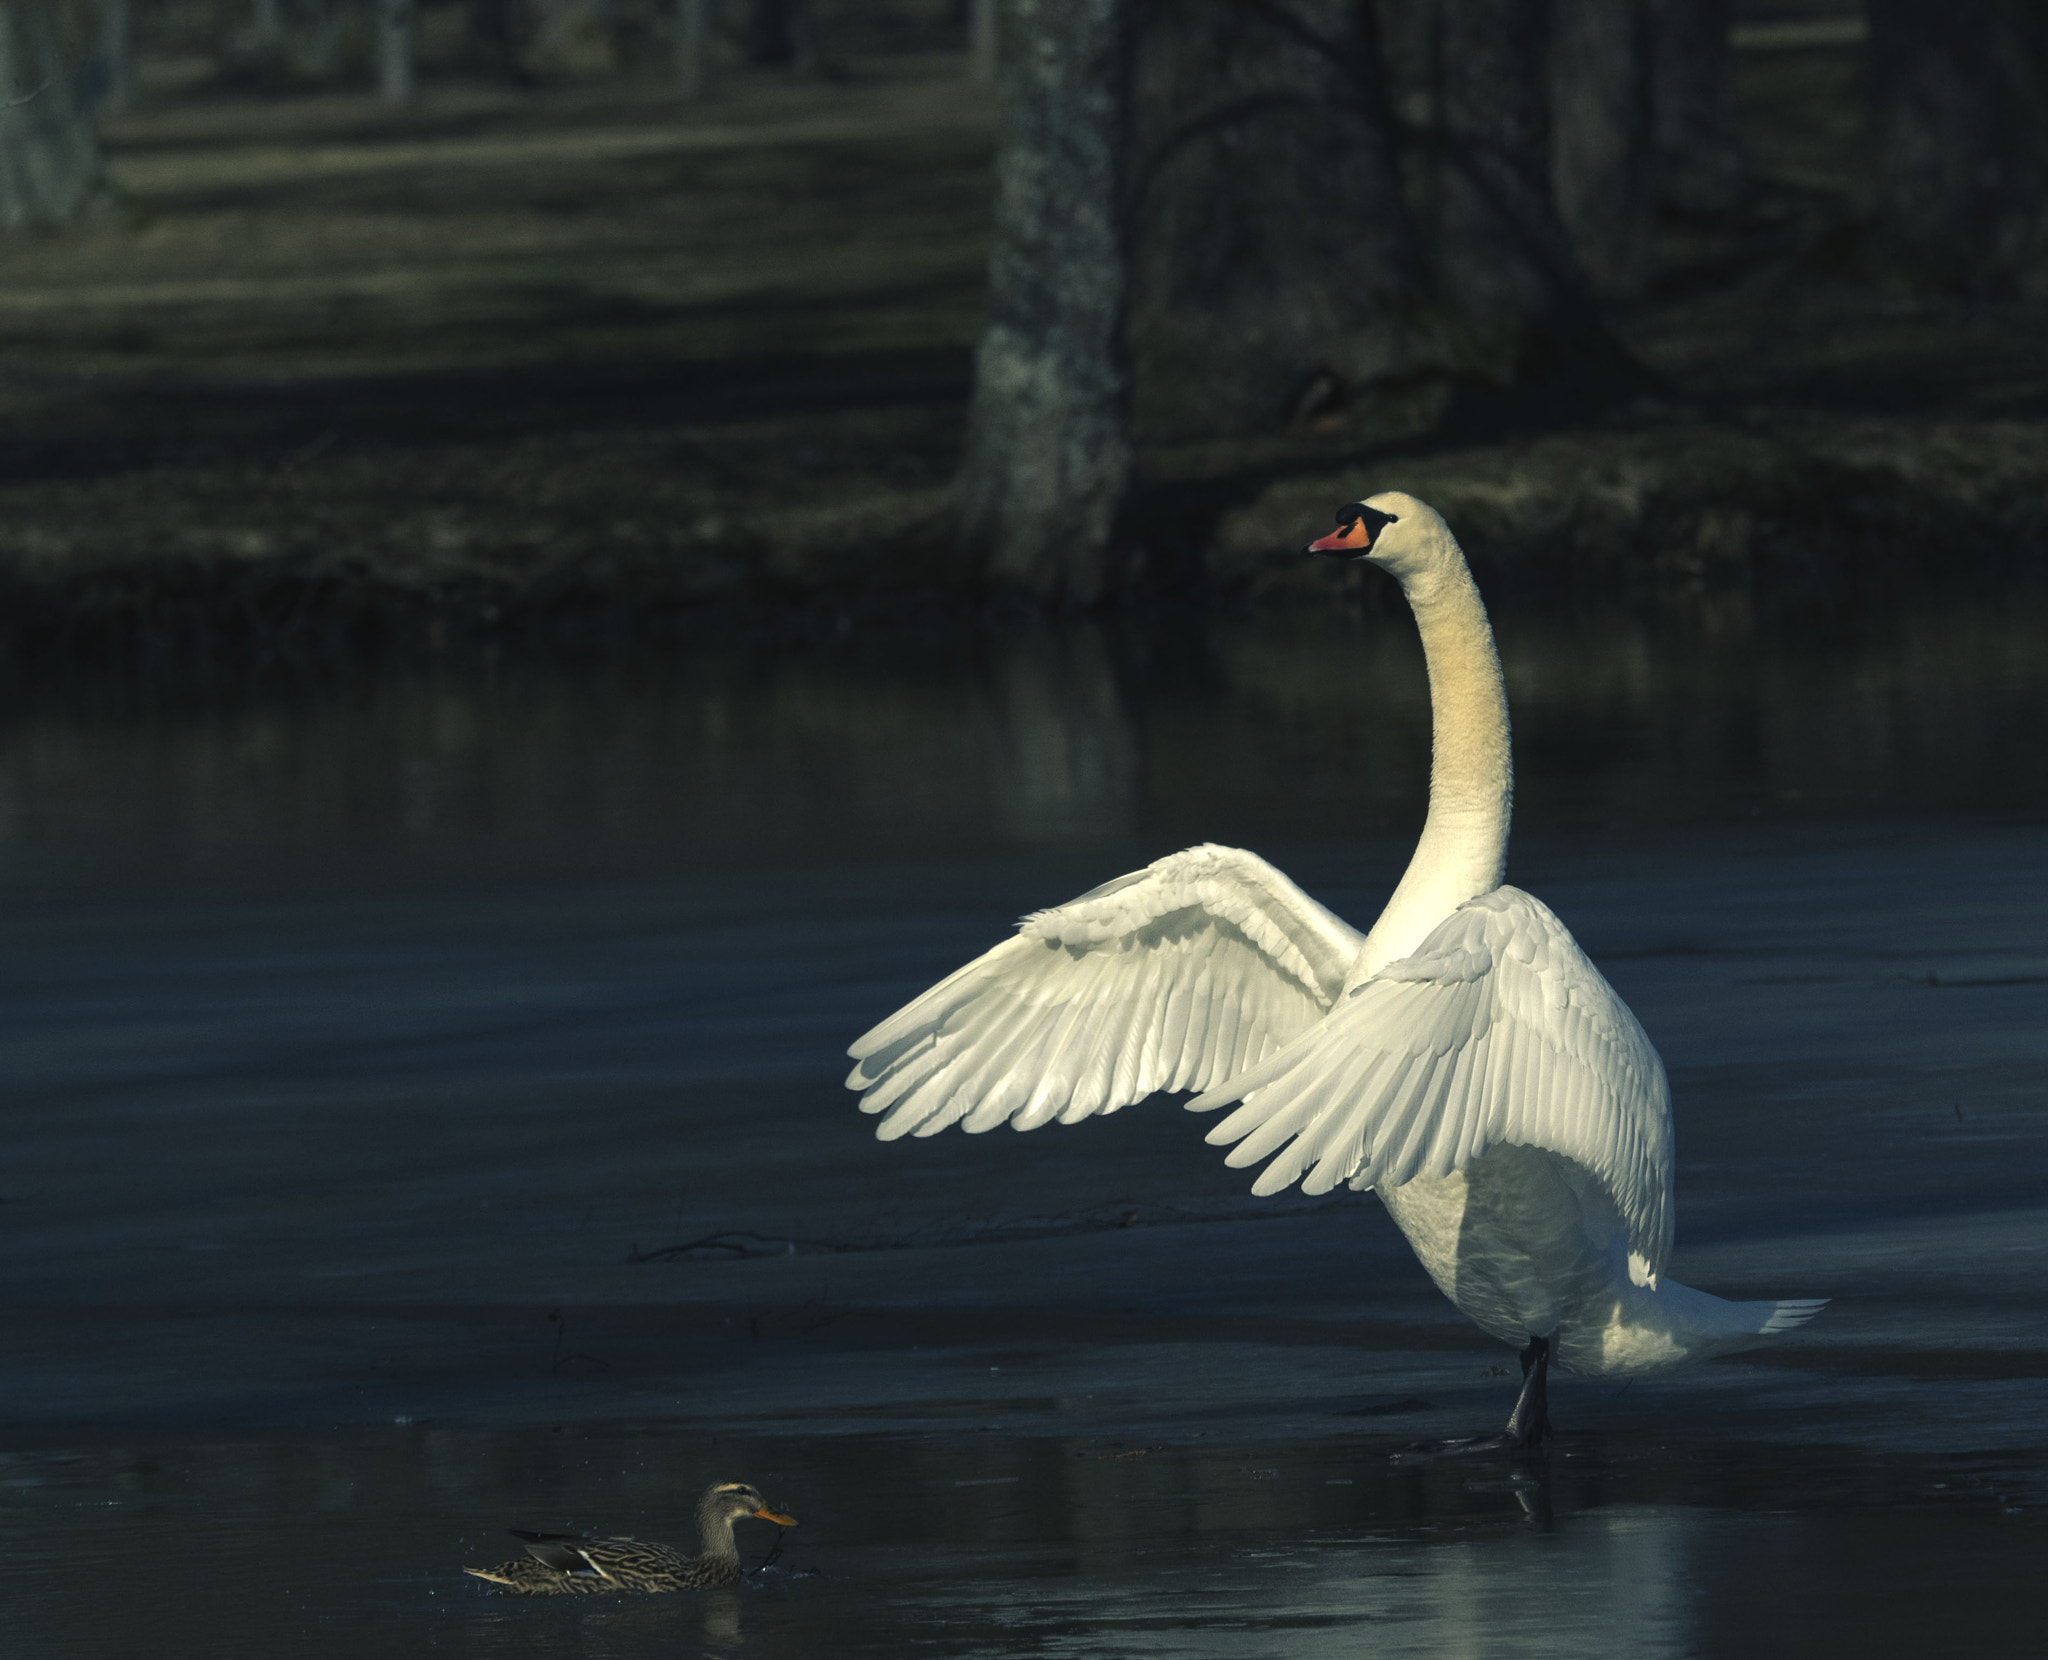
column 1175, row 977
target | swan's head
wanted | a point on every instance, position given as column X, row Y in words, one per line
column 1393, row 530
column 731, row 1501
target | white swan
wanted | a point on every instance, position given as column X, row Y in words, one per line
column 1464, row 1059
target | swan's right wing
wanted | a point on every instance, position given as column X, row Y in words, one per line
column 1497, row 1029
column 1177, row 976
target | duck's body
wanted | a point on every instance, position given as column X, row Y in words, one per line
column 565, row 1564
column 568, row 1564
column 1464, row 1058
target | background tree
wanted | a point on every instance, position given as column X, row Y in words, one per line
column 266, row 24
column 775, row 31
column 693, row 48
column 1048, row 453
column 49, row 146
column 979, row 16
column 117, row 54
column 396, row 83
column 1474, row 88
column 1599, row 70
column 1698, row 166
column 1638, row 121
column 495, row 39
column 1273, row 266
column 1284, row 240
column 1959, row 111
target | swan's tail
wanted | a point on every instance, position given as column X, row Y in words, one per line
column 1670, row 1323
column 1791, row 1314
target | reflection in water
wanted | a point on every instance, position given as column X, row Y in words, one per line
column 720, row 1620
column 1069, row 769
column 1274, row 729
column 348, row 1546
column 1617, row 1585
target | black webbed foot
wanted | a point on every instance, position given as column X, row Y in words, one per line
column 1527, row 1428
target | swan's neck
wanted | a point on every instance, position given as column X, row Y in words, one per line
column 1464, row 846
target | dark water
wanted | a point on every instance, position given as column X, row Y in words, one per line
column 1000, row 1547
column 1305, row 728
column 371, row 1037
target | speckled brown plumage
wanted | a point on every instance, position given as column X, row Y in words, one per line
column 567, row 1564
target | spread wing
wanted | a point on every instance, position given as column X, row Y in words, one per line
column 1497, row 1029
column 1177, row 976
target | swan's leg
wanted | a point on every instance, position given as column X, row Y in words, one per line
column 1529, row 1424
column 1527, row 1428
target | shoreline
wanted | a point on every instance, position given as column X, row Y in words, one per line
column 542, row 539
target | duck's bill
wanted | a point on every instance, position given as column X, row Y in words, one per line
column 779, row 1520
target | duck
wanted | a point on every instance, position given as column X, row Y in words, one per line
column 1462, row 1059
column 568, row 1564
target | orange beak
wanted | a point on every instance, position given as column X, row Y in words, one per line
column 1352, row 538
column 768, row 1515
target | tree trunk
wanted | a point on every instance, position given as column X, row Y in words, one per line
column 117, row 52
column 774, row 31
column 1698, row 166
column 1600, row 138
column 495, row 43
column 1959, row 95
column 693, row 48
column 982, row 35
column 1518, row 312
column 395, row 81
column 1273, row 272
column 322, row 55
column 49, row 145
column 1048, row 455
column 981, row 41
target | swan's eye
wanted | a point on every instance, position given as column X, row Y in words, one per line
column 1375, row 521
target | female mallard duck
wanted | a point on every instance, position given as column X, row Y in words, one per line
column 563, row 1564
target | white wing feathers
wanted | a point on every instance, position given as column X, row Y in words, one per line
column 1177, row 976
column 1497, row 1029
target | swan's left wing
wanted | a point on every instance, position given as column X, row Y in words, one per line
column 1497, row 1029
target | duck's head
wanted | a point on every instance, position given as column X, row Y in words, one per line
column 1393, row 530
column 731, row 1501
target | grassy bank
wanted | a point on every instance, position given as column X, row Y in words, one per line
column 522, row 359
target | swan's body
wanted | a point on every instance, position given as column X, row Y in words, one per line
column 1464, row 1058
column 567, row 1564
